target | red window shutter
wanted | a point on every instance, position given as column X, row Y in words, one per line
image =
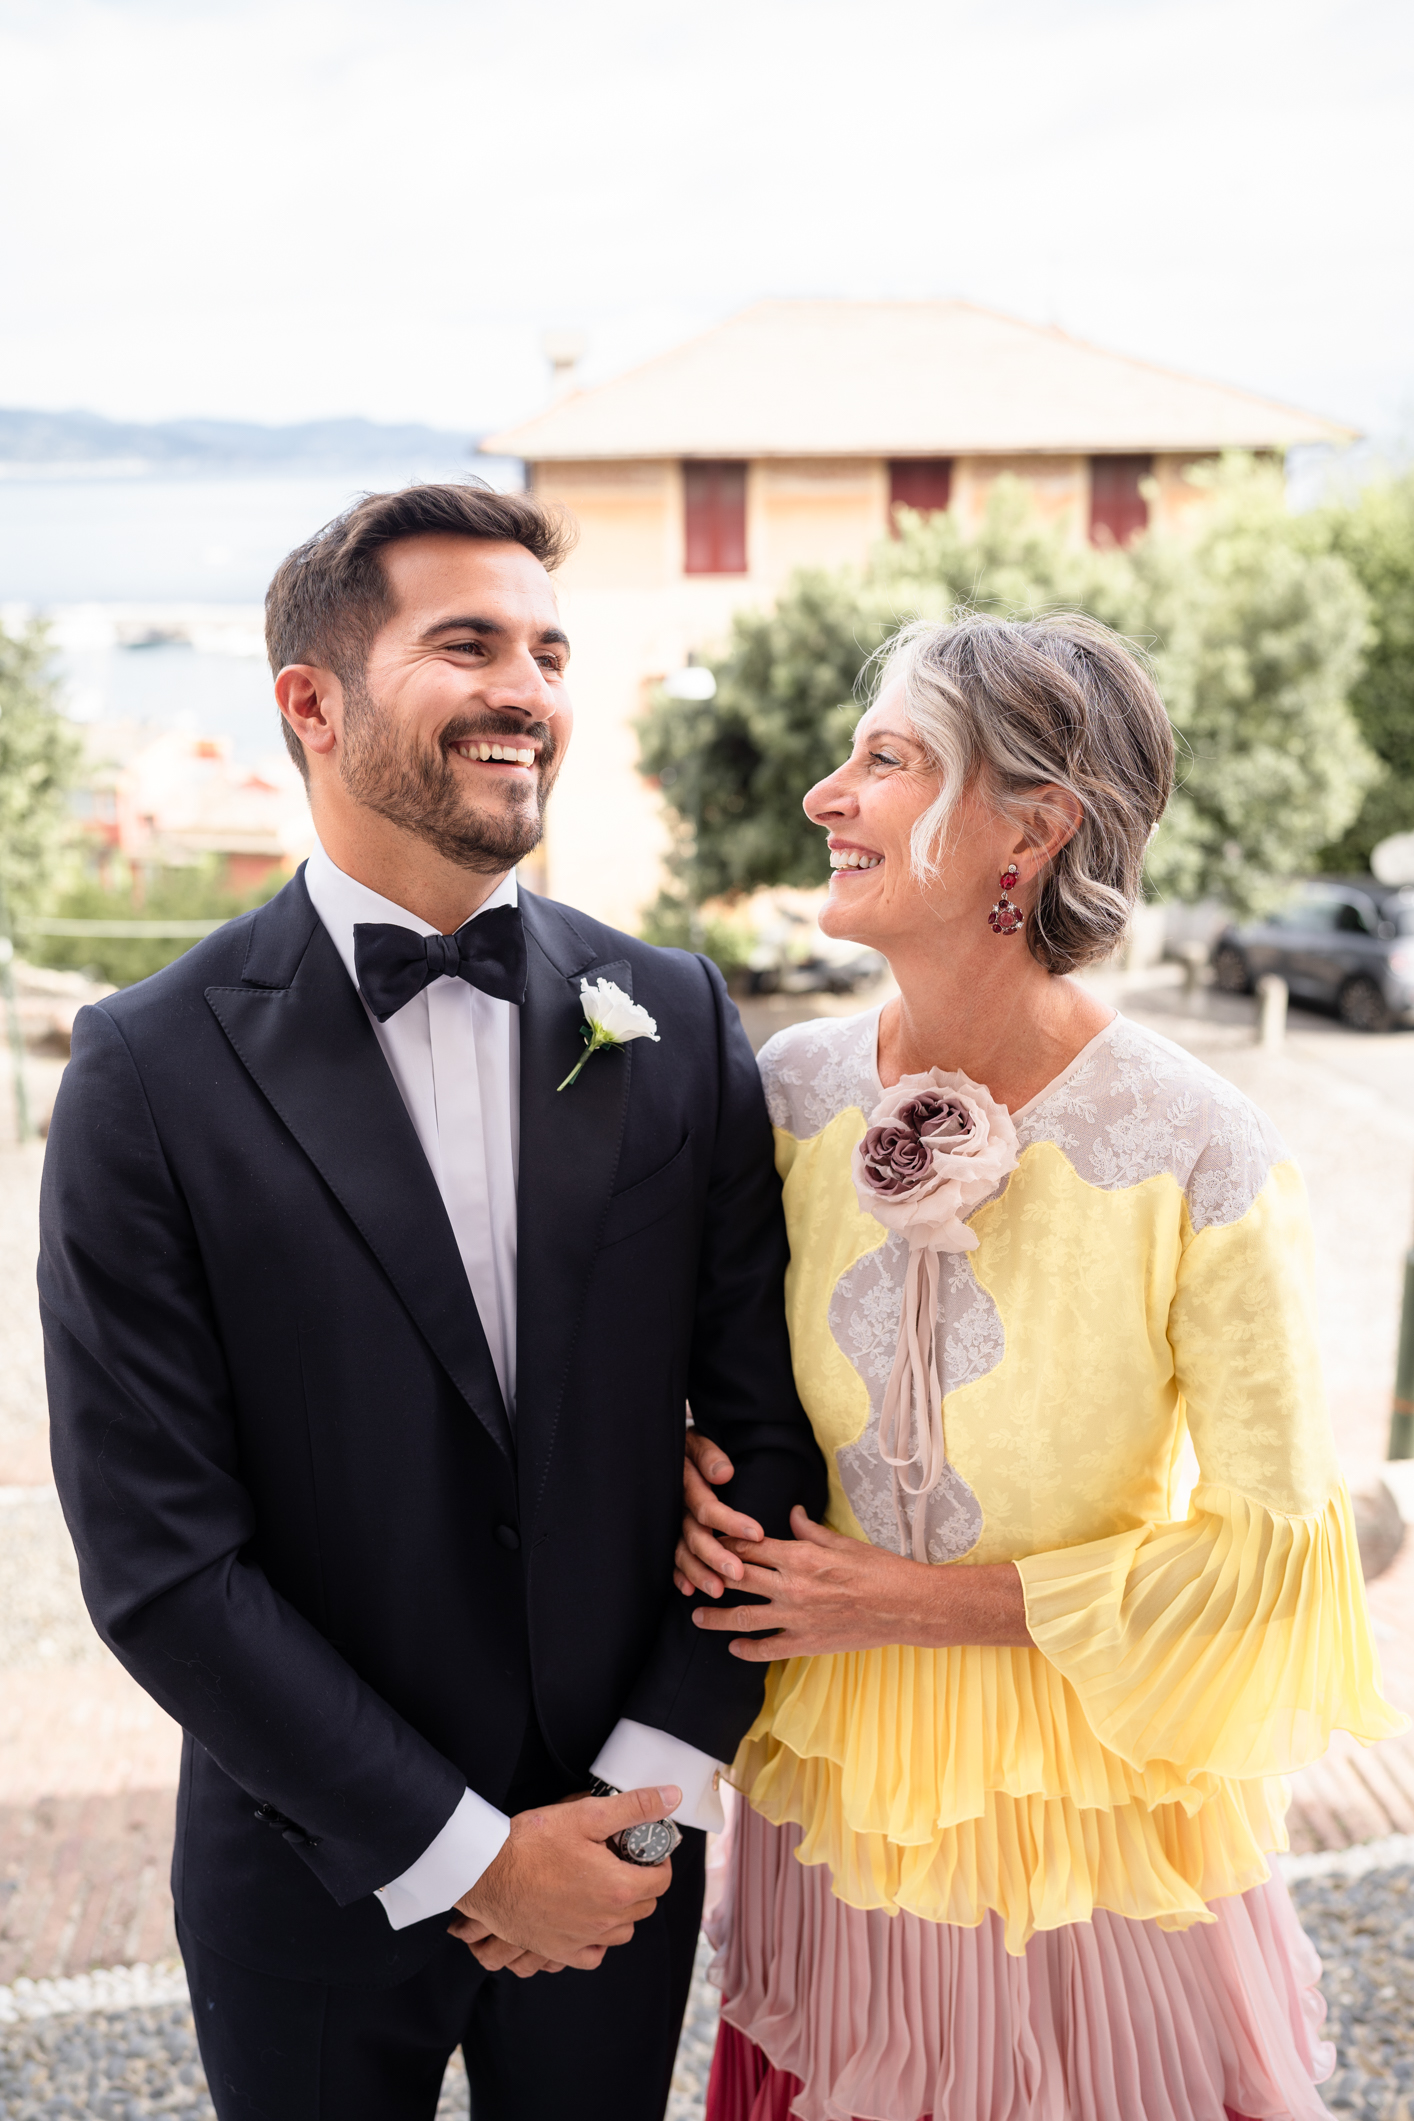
column 1118, row 510
column 714, row 510
column 924, row 483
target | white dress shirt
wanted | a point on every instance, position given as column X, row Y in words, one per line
column 454, row 1054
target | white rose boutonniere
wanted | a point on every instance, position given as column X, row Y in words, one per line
column 610, row 1019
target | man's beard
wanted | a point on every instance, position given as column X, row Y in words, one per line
column 418, row 789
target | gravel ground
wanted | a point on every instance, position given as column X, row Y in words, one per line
column 113, row 2066
column 110, row 2064
column 104, row 2063
column 699, row 2037
column 1361, row 1921
column 122, row 2065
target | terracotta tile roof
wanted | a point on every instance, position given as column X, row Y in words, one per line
column 885, row 379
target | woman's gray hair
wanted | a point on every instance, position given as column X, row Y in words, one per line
column 1016, row 706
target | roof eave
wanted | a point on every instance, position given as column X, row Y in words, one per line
column 517, row 443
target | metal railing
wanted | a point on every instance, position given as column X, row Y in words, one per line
column 25, row 925
column 127, row 931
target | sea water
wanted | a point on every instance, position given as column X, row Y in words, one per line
column 127, row 569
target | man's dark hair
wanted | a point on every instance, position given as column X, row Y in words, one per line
column 330, row 596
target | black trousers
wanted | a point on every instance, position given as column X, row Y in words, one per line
column 598, row 2046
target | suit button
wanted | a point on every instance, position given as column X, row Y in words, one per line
column 507, row 1536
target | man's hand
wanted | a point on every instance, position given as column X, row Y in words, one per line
column 556, row 1894
column 702, row 1561
column 494, row 1953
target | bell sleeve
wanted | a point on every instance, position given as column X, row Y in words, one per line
column 1232, row 1643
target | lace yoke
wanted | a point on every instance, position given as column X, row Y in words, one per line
column 1131, row 1106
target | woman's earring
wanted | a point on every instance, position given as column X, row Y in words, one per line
column 1004, row 918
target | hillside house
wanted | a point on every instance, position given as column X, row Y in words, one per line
column 786, row 437
column 170, row 798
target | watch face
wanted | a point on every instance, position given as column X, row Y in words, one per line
column 652, row 1842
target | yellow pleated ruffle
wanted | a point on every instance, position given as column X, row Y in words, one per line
column 947, row 1782
column 1235, row 1642
column 1128, row 1763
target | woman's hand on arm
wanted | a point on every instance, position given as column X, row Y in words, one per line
column 826, row 1593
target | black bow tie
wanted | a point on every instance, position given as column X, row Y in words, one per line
column 393, row 964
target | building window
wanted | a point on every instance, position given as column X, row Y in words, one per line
column 714, row 518
column 1118, row 510
column 924, row 483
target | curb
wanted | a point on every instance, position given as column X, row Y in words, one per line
column 1392, row 1853
column 114, row 1988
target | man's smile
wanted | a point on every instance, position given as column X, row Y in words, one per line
column 488, row 754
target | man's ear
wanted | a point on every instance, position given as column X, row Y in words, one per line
column 312, row 702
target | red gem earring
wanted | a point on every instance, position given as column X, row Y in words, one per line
column 1004, row 918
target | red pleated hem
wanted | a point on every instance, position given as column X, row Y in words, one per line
column 743, row 2086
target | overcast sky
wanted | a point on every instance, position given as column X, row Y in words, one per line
column 282, row 211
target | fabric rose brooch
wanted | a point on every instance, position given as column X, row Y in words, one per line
column 936, row 1145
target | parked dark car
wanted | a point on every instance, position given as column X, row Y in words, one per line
column 1347, row 944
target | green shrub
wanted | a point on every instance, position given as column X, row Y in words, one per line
column 670, row 923
column 41, row 755
column 1375, row 538
column 1254, row 624
column 195, row 894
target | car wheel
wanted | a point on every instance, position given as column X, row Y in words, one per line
column 1362, row 1005
column 1231, row 970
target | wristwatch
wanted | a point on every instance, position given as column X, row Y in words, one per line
column 651, row 1841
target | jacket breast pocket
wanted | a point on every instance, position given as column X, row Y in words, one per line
column 650, row 1199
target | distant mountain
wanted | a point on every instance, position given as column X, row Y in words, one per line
column 60, row 440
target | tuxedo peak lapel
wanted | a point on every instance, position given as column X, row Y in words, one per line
column 280, row 932
column 302, row 1034
column 569, row 1154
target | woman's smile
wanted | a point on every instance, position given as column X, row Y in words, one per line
column 847, row 855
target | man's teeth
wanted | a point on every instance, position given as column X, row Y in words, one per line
column 506, row 752
column 851, row 858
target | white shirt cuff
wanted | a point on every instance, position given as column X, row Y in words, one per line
column 634, row 1756
column 468, row 1844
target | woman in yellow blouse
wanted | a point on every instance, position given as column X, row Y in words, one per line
column 1089, row 1585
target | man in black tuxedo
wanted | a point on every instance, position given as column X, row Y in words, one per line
column 368, row 1349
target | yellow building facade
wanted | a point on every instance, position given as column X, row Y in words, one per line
column 785, row 439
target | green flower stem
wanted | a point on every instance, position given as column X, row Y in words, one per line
column 593, row 1041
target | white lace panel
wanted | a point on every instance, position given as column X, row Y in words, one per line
column 1135, row 1105
column 864, row 1318
column 812, row 1072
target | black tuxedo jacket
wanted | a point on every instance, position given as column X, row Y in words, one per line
column 303, row 1520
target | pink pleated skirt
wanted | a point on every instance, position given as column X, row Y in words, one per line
column 831, row 2014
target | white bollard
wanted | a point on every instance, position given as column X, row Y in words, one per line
column 1271, row 1022
column 1194, row 958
